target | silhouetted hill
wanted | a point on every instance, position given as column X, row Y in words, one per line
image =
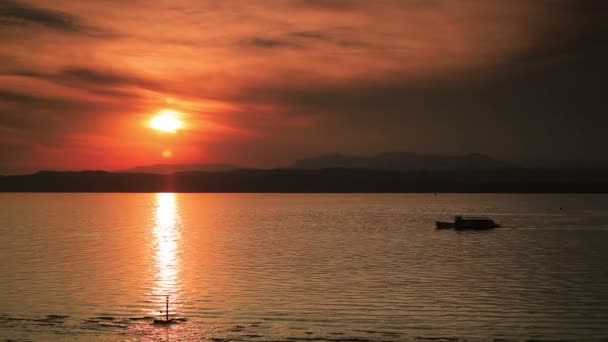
column 565, row 164
column 327, row 180
column 402, row 161
column 172, row 168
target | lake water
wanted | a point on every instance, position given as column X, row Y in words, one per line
column 289, row 267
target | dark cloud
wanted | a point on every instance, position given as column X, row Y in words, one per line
column 356, row 5
column 18, row 13
column 333, row 5
column 101, row 82
column 306, row 39
column 105, row 78
column 580, row 33
column 18, row 97
column 31, row 110
column 271, row 43
column 95, row 76
column 26, row 104
column 310, row 35
column 544, row 102
column 336, row 38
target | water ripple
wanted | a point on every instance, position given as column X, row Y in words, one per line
column 302, row 267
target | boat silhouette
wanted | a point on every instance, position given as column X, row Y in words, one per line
column 468, row 222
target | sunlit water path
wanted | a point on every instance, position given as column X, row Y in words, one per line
column 167, row 247
column 301, row 267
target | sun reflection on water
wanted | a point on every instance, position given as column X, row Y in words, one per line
column 167, row 244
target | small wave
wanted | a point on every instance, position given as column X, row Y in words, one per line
column 144, row 318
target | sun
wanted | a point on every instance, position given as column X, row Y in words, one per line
column 166, row 121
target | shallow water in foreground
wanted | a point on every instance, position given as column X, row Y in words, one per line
column 260, row 267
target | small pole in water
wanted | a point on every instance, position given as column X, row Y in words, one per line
column 167, row 310
column 165, row 318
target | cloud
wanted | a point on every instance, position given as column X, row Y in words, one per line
column 103, row 78
column 62, row 132
column 17, row 97
column 333, row 5
column 306, row 40
column 542, row 101
column 510, row 78
column 310, row 35
column 579, row 32
column 14, row 13
column 98, row 77
column 364, row 5
column 271, row 43
column 17, row 13
column 103, row 82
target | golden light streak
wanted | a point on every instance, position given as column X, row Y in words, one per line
column 167, row 236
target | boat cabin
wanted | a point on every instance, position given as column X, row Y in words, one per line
column 474, row 222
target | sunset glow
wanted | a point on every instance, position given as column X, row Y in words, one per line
column 303, row 170
column 111, row 85
column 166, row 121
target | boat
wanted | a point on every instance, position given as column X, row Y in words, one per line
column 468, row 222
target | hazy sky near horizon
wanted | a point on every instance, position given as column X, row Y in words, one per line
column 261, row 83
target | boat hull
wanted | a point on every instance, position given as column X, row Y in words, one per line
column 467, row 224
column 476, row 227
column 444, row 225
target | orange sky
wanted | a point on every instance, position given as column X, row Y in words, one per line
column 261, row 83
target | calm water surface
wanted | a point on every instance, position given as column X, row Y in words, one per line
column 260, row 267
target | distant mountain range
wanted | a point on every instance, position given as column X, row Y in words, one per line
column 385, row 172
column 392, row 161
column 331, row 180
column 389, row 162
column 173, row 168
column 402, row 161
